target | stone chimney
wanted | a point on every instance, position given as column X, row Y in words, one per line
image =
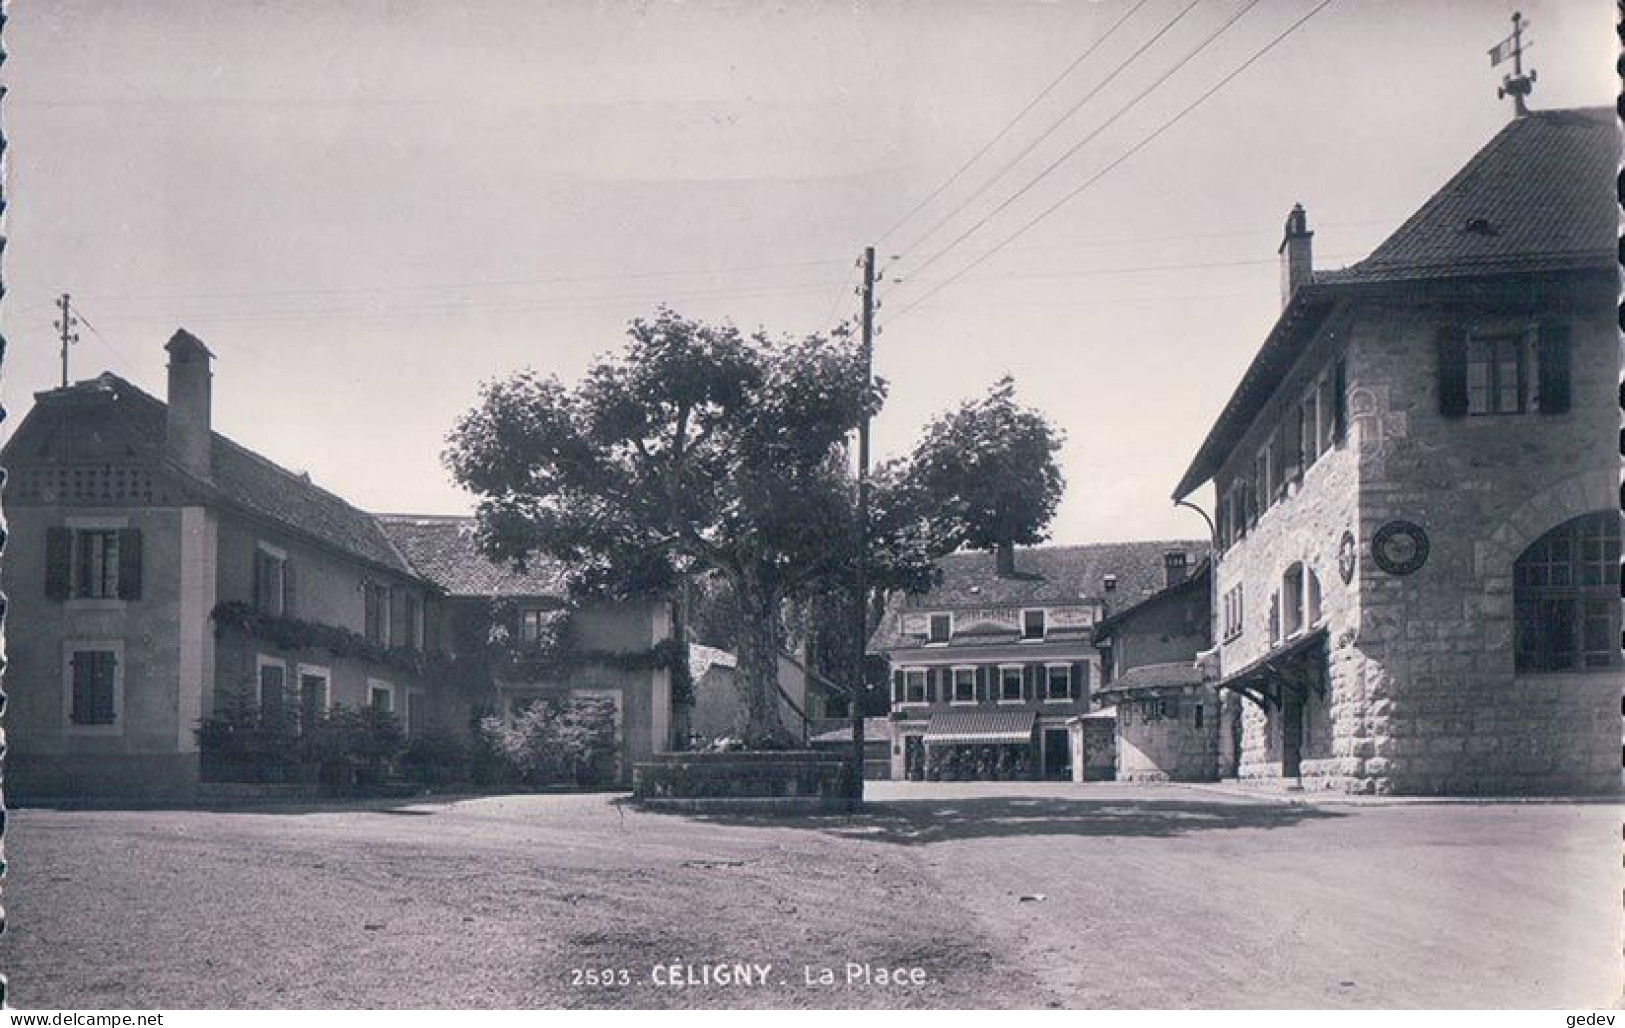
column 1004, row 560
column 1297, row 258
column 187, row 428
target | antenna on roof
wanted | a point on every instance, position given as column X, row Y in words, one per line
column 1516, row 85
column 66, row 326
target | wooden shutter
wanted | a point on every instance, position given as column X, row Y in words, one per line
column 897, row 686
column 1452, row 347
column 129, row 564
column 1340, row 410
column 981, row 683
column 397, row 616
column 289, row 589
column 259, row 580
column 1553, row 355
column 58, row 563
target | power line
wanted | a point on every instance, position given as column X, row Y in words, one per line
column 1070, row 68
column 1142, row 144
column 1069, row 154
column 1057, row 123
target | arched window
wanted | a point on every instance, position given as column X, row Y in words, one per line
column 1566, row 597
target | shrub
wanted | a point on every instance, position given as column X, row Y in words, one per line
column 437, row 757
column 556, row 741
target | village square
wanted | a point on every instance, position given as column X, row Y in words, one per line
column 749, row 664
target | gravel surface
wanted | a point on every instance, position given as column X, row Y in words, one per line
column 1000, row 894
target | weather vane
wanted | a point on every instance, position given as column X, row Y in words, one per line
column 1516, row 85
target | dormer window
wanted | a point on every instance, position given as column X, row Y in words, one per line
column 941, row 628
column 1109, row 583
column 1032, row 625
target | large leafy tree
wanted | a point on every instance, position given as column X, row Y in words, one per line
column 983, row 476
column 692, row 450
column 696, row 451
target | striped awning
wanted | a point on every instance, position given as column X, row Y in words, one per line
column 980, row 725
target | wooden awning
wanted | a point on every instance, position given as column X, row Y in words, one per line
column 1298, row 665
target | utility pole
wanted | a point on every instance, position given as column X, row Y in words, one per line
column 862, row 602
column 66, row 325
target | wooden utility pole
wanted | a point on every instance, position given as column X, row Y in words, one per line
column 66, row 325
column 862, row 587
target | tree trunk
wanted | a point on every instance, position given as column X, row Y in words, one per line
column 758, row 679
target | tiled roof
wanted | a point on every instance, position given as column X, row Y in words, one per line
column 441, row 548
column 1150, row 677
column 1538, row 198
column 1199, row 578
column 1045, row 576
column 242, row 477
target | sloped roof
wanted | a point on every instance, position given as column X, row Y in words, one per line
column 441, row 548
column 1152, row 677
column 1045, row 576
column 1197, row 581
column 241, row 477
column 1538, row 198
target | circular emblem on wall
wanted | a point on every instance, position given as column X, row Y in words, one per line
column 1400, row 547
column 1348, row 557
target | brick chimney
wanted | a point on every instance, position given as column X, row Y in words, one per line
column 1297, row 260
column 1004, row 560
column 186, row 428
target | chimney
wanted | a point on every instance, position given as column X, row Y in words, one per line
column 186, row 428
column 1004, row 560
column 1175, row 566
column 1297, row 261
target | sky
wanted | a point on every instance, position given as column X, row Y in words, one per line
column 368, row 208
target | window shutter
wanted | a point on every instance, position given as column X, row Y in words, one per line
column 1080, row 681
column 259, row 580
column 1553, row 350
column 397, row 616
column 58, row 563
column 129, row 564
column 1452, row 345
column 981, row 684
column 897, row 686
column 1340, row 409
column 1027, row 677
column 289, row 589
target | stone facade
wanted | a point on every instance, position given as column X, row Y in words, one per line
column 1420, row 692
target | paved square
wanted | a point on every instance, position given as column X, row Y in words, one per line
column 1151, row 896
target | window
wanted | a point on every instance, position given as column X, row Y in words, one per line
column 1233, row 613
column 270, row 689
column 1010, row 683
column 1495, row 375
column 1308, row 450
column 92, row 563
column 964, row 685
column 1261, row 485
column 1325, row 419
column 269, row 566
column 1058, row 682
column 313, row 696
column 1503, row 372
column 381, row 696
column 1196, row 716
column 1109, row 583
column 1275, row 618
column 1032, row 624
column 941, row 628
column 93, row 687
column 533, row 623
column 1292, row 601
column 1565, row 591
column 914, row 685
column 96, row 576
column 1175, row 565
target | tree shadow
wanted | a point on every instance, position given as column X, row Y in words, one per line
column 923, row 822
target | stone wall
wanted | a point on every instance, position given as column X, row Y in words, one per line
column 1170, row 746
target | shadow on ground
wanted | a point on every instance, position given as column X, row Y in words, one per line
column 921, row 822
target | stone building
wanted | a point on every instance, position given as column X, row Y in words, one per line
column 1417, row 491
column 1167, row 709
column 157, row 573
column 993, row 668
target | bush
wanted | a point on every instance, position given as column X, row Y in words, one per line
column 557, row 741
column 437, row 757
column 244, row 744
